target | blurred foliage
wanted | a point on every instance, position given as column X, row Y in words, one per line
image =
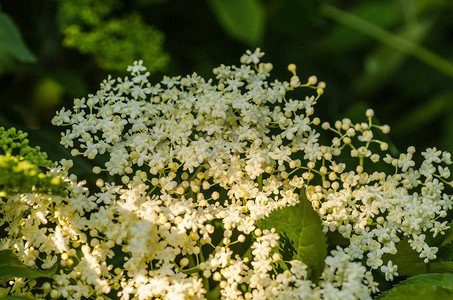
column 113, row 41
column 392, row 55
column 241, row 19
column 20, row 167
column 12, row 45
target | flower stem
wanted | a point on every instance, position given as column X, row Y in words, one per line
column 387, row 38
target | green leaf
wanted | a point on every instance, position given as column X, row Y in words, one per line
column 11, row 40
column 6, row 60
column 302, row 226
column 8, row 257
column 440, row 280
column 241, row 19
column 417, row 292
column 25, row 272
column 449, row 235
column 445, row 252
column 423, row 286
column 11, row 267
column 408, row 261
column 444, row 261
column 441, row 266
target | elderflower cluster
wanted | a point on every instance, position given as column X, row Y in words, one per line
column 192, row 164
column 377, row 210
column 191, row 137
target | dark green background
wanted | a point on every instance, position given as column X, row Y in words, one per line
column 412, row 90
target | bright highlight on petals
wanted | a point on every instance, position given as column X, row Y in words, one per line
column 185, row 169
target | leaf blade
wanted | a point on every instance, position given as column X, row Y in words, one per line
column 302, row 226
column 423, row 286
column 241, row 19
column 11, row 40
column 11, row 267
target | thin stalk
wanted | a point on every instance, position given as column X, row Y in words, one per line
column 389, row 39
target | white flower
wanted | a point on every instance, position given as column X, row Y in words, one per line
column 250, row 57
column 196, row 163
column 137, row 67
column 389, row 271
